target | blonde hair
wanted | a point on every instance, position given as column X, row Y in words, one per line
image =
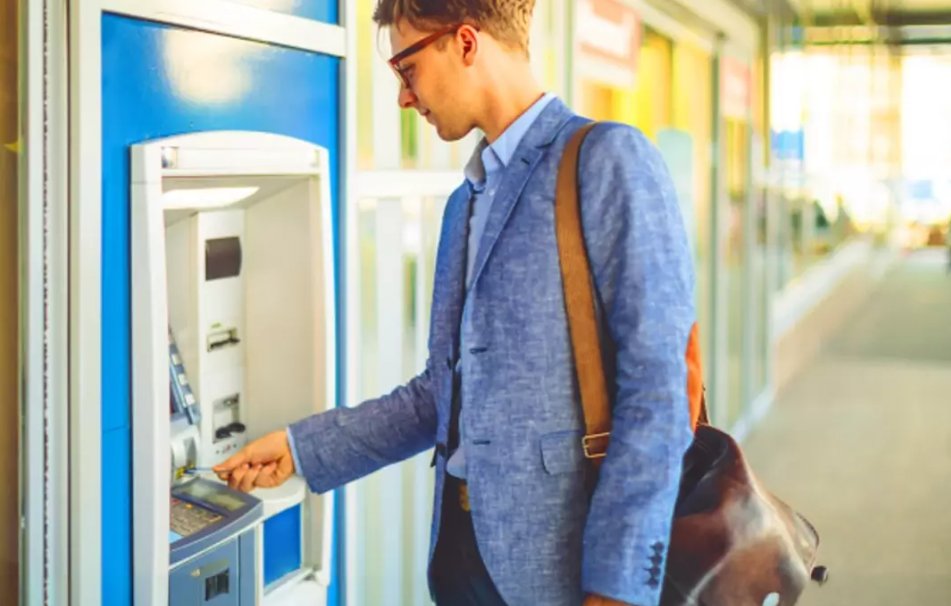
column 508, row 21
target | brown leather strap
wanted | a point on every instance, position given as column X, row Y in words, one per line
column 579, row 300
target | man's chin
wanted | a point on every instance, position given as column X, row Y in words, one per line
column 449, row 135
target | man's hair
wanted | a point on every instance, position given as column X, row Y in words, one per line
column 508, row 21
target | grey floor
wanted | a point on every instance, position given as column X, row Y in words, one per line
column 861, row 444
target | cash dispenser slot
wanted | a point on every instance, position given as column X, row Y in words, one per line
column 226, row 417
column 222, row 337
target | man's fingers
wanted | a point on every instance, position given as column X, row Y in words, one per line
column 268, row 476
column 226, row 467
column 254, row 465
column 247, row 482
column 237, row 474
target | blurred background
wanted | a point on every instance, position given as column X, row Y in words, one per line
column 810, row 144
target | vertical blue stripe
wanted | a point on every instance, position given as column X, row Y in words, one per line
column 159, row 81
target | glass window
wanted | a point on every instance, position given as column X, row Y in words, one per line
column 788, row 86
column 9, row 399
column 844, row 191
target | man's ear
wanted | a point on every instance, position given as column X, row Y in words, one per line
column 469, row 40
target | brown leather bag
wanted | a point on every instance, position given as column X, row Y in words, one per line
column 732, row 542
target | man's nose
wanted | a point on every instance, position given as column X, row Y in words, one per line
column 406, row 98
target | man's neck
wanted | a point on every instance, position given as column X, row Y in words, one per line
column 513, row 96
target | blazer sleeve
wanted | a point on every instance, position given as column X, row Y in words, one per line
column 344, row 444
column 643, row 275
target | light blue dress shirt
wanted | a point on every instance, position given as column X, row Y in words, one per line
column 484, row 173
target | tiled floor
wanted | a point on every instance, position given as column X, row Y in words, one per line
column 861, row 444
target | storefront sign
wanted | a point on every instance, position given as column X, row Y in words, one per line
column 609, row 38
column 735, row 83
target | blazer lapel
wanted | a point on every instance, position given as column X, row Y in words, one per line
column 451, row 265
column 517, row 173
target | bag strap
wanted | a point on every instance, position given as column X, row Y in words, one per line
column 579, row 301
column 578, row 287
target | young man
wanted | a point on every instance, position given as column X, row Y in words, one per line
column 516, row 521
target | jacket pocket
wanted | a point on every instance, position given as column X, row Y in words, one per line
column 562, row 452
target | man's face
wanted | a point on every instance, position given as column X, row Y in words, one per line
column 434, row 77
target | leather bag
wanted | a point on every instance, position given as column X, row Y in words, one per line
column 732, row 542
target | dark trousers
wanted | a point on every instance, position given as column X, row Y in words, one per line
column 459, row 577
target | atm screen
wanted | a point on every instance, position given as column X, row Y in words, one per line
column 208, row 493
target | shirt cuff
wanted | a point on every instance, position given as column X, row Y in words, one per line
column 290, row 441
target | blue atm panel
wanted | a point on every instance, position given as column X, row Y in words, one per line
column 282, row 547
column 155, row 84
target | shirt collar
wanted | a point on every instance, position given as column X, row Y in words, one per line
column 487, row 159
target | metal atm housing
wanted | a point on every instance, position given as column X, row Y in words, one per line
column 232, row 272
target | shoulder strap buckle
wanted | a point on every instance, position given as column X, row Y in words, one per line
column 595, row 445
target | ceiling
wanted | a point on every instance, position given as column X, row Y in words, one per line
column 897, row 13
column 903, row 22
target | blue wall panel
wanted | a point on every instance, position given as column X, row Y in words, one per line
column 159, row 81
column 282, row 545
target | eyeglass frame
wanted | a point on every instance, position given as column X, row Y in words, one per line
column 412, row 49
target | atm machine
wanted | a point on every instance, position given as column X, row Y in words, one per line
column 233, row 337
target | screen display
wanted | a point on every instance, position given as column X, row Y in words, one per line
column 211, row 494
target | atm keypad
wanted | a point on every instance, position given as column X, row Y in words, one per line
column 187, row 519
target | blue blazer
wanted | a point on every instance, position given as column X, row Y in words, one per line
column 544, row 537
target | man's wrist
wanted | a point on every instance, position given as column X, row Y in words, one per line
column 293, row 448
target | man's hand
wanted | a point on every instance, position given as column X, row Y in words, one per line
column 266, row 462
column 596, row 600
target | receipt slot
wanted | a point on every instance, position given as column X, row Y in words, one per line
column 233, row 337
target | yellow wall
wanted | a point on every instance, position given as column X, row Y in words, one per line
column 9, row 411
column 674, row 89
column 646, row 105
column 651, row 107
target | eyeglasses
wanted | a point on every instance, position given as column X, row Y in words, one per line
column 414, row 48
